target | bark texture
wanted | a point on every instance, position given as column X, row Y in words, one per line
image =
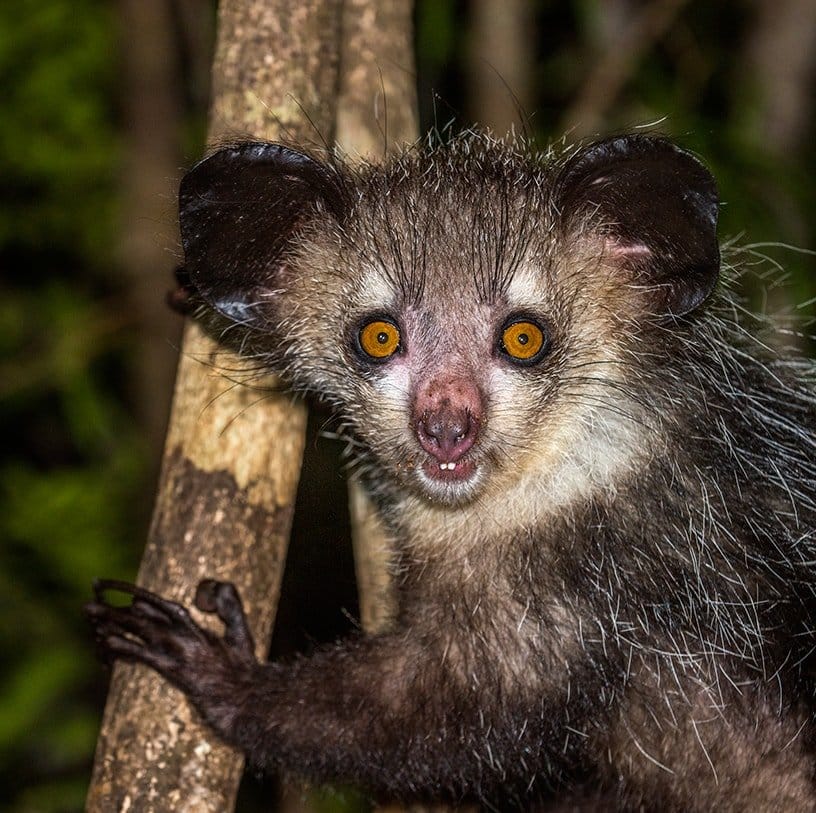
column 232, row 457
column 377, row 106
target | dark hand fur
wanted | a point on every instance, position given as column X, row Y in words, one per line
column 617, row 609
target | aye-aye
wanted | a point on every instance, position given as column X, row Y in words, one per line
column 601, row 489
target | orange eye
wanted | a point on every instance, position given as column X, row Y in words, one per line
column 522, row 340
column 380, row 339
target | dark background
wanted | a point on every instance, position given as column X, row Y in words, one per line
column 104, row 104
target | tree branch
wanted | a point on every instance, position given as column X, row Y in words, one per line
column 231, row 462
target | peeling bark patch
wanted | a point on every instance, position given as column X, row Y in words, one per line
column 211, row 512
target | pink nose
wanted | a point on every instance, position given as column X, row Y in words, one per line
column 447, row 415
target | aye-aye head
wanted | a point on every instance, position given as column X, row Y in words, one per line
column 466, row 308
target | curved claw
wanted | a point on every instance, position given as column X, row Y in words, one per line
column 144, row 599
column 101, row 586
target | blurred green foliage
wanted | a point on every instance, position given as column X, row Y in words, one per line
column 74, row 477
column 58, row 140
column 72, row 460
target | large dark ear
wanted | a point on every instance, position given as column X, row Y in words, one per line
column 656, row 205
column 239, row 210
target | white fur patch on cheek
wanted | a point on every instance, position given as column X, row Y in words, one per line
column 513, row 412
column 564, row 451
column 512, row 402
column 394, row 383
column 502, row 384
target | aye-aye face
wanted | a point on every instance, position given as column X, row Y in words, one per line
column 465, row 308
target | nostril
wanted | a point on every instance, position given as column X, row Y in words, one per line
column 449, row 429
column 426, row 432
column 446, row 434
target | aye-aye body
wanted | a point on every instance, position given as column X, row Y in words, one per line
column 600, row 488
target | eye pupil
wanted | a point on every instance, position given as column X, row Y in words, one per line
column 382, row 337
column 522, row 338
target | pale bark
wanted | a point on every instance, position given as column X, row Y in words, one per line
column 501, row 58
column 377, row 106
column 232, row 456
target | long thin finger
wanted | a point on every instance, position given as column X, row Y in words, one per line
column 139, row 609
column 123, row 620
column 150, row 611
column 127, row 649
column 170, row 608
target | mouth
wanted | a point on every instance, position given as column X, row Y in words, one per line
column 455, row 471
column 450, row 482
